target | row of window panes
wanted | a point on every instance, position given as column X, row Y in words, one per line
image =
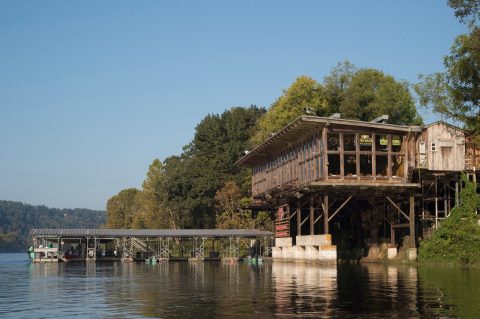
column 365, row 142
column 366, row 166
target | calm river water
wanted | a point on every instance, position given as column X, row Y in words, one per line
column 216, row 290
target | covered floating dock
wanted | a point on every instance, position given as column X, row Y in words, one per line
column 53, row 245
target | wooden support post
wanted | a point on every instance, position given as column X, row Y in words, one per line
column 325, row 214
column 412, row 221
column 389, row 158
column 357, row 155
column 374, row 158
column 342, row 158
column 312, row 216
column 325, row 154
column 392, row 237
column 299, row 219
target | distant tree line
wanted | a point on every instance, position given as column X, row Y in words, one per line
column 17, row 219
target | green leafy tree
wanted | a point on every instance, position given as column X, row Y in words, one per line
column 304, row 92
column 466, row 10
column 157, row 214
column 218, row 143
column 230, row 214
column 337, row 83
column 123, row 208
column 371, row 93
column 455, row 93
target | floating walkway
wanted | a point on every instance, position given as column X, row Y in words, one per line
column 53, row 245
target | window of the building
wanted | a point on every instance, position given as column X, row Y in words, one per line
column 333, row 165
column 333, row 142
column 350, row 165
column 398, row 168
column 381, row 143
column 349, row 142
column 382, row 165
column 434, row 147
column 365, row 142
column 365, row 165
column 396, row 143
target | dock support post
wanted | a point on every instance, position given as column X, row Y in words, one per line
column 312, row 216
column 412, row 221
column 299, row 219
column 325, row 214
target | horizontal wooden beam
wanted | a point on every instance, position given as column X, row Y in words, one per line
column 405, row 225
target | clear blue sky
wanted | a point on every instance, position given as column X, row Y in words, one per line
column 92, row 91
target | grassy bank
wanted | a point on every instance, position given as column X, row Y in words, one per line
column 457, row 240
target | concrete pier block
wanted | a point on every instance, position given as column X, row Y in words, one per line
column 328, row 253
column 391, row 253
column 287, row 253
column 277, row 253
column 298, row 253
column 314, row 240
column 283, row 242
column 412, row 254
column 311, row 253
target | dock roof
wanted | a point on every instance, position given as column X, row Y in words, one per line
column 172, row 233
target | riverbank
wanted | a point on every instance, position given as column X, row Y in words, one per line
column 457, row 239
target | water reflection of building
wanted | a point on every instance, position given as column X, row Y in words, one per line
column 352, row 291
column 304, row 288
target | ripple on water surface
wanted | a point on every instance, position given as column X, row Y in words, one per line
column 216, row 290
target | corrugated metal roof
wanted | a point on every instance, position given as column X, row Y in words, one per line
column 176, row 233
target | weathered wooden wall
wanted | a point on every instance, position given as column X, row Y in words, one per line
column 441, row 147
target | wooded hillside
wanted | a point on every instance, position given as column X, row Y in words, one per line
column 16, row 220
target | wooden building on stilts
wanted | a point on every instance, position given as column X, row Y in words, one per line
column 347, row 189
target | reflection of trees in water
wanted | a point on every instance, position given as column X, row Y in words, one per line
column 186, row 289
column 379, row 290
column 456, row 290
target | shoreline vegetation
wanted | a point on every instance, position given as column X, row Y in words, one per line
column 457, row 239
